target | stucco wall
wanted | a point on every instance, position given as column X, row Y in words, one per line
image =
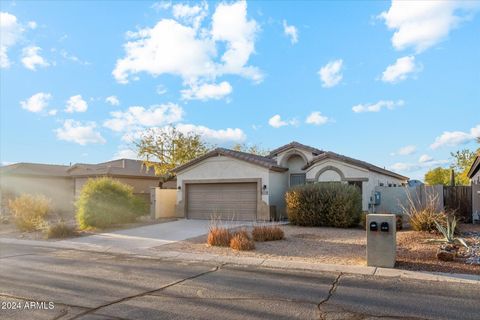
column 164, row 204
column 350, row 172
column 60, row 190
column 278, row 185
column 282, row 157
column 222, row 167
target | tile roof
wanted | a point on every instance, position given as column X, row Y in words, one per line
column 360, row 163
column 38, row 169
column 244, row 156
column 294, row 144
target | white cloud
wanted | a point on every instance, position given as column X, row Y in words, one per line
column 81, row 133
column 405, row 151
column 162, row 5
column 190, row 52
column 68, row 56
column 420, row 165
column 277, row 122
column 455, row 138
column 112, row 100
column 31, row 58
column 331, row 73
column 125, row 153
column 32, row 25
column 290, row 31
column 36, row 103
column 422, row 24
column 212, row 135
column 192, row 15
column 10, row 33
column 136, row 117
column 376, row 107
column 316, row 118
column 207, row 91
column 76, row 104
column 161, row 90
column 52, row 112
column 424, row 158
column 400, row 70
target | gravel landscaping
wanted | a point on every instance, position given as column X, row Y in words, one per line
column 345, row 246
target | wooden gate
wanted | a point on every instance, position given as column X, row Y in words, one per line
column 459, row 198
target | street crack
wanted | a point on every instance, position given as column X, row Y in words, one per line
column 330, row 294
column 145, row 293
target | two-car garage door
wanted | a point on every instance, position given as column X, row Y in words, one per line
column 226, row 201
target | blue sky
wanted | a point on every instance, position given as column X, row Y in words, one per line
column 394, row 84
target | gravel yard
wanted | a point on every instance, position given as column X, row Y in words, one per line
column 341, row 246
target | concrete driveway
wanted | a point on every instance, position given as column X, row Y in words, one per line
column 136, row 240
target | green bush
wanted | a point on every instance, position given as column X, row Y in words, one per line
column 104, row 202
column 29, row 211
column 324, row 204
column 60, row 230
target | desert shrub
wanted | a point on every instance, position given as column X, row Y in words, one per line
column 424, row 215
column 267, row 233
column 105, row 202
column 29, row 211
column 324, row 204
column 60, row 230
column 242, row 242
column 243, row 233
column 218, row 236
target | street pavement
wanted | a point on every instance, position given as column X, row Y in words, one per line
column 93, row 285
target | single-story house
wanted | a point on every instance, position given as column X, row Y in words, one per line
column 62, row 183
column 474, row 172
column 228, row 184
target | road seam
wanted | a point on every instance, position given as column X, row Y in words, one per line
column 145, row 293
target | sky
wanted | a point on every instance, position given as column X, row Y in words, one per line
column 396, row 84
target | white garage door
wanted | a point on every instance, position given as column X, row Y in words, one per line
column 226, row 201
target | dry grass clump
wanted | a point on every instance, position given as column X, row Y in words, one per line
column 30, row 211
column 267, row 233
column 424, row 216
column 60, row 230
column 219, row 236
column 241, row 241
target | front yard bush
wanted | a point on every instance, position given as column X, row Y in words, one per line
column 241, row 241
column 326, row 204
column 219, row 236
column 60, row 230
column 267, row 233
column 104, row 202
column 424, row 215
column 29, row 211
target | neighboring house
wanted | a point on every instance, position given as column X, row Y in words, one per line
column 474, row 172
column 236, row 185
column 62, row 184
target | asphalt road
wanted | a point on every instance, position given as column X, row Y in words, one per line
column 85, row 285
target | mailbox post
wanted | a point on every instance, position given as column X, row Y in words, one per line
column 381, row 240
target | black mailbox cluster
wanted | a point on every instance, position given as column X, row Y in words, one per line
column 384, row 227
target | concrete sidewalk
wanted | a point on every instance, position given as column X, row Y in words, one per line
column 249, row 261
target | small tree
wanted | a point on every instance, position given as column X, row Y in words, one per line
column 463, row 160
column 254, row 149
column 167, row 148
column 438, row 176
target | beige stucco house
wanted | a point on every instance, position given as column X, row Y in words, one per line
column 228, row 184
column 62, row 184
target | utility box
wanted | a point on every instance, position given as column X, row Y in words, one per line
column 381, row 240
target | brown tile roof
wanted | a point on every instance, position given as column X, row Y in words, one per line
column 359, row 163
column 37, row 169
column 295, row 144
column 120, row 167
column 244, row 156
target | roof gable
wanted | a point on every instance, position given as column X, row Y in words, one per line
column 355, row 162
column 292, row 145
column 474, row 168
column 243, row 156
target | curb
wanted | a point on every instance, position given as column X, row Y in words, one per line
column 258, row 262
